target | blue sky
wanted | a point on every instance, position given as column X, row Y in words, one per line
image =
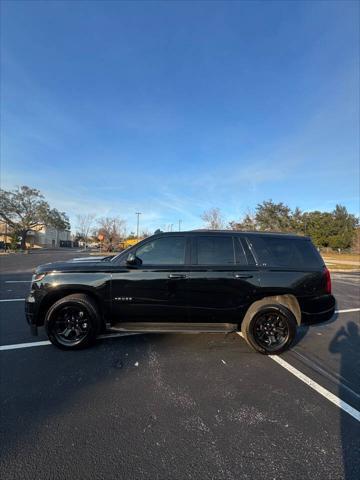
column 170, row 108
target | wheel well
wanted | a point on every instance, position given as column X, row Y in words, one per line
column 53, row 297
column 288, row 301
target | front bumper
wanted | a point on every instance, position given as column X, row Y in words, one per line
column 318, row 309
column 31, row 311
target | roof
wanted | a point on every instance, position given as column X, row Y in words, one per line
column 234, row 232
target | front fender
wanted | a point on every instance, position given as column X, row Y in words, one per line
column 57, row 285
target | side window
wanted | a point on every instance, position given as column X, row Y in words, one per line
column 163, row 251
column 243, row 253
column 215, row 250
column 286, row 252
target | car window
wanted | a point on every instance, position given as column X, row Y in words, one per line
column 163, row 251
column 243, row 253
column 215, row 250
column 285, row 252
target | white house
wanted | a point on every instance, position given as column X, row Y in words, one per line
column 48, row 237
column 43, row 237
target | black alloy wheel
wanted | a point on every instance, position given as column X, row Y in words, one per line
column 73, row 322
column 271, row 330
column 70, row 325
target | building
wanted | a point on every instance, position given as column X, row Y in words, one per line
column 44, row 237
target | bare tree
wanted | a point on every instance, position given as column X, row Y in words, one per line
column 145, row 233
column 213, row 219
column 113, row 229
column 84, row 225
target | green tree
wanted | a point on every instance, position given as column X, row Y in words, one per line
column 330, row 229
column 298, row 221
column 24, row 209
column 319, row 227
column 272, row 216
column 247, row 223
column 327, row 229
column 343, row 231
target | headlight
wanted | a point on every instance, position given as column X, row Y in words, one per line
column 37, row 277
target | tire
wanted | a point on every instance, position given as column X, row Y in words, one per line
column 73, row 322
column 270, row 330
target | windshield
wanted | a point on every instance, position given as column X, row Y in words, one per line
column 116, row 257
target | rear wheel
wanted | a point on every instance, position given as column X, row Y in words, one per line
column 73, row 322
column 270, row 330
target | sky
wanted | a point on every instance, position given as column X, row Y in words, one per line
column 171, row 108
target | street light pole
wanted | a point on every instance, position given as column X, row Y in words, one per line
column 180, row 225
column 138, row 221
column 5, row 235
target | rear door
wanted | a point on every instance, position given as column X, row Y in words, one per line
column 153, row 291
column 223, row 278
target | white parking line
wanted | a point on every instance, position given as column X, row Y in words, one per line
column 16, row 346
column 318, row 388
column 348, row 310
column 315, row 386
column 24, row 345
column 17, row 281
column 13, row 300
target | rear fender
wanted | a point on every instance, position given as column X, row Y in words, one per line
column 288, row 301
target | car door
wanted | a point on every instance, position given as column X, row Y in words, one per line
column 154, row 290
column 223, row 279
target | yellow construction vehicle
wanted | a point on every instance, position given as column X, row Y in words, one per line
column 128, row 242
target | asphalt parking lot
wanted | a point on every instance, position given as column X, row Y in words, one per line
column 178, row 406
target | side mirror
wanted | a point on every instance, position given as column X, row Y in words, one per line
column 132, row 259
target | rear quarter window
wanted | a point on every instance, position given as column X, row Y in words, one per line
column 285, row 252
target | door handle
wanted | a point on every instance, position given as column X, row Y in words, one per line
column 176, row 275
column 242, row 275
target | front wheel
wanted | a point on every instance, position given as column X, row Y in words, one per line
column 72, row 322
column 270, row 330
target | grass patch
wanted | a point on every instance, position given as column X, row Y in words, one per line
column 341, row 266
column 341, row 256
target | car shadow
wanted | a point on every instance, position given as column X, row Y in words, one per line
column 346, row 343
column 305, row 328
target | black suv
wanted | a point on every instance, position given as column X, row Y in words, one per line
column 263, row 284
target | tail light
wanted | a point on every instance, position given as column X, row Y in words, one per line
column 327, row 280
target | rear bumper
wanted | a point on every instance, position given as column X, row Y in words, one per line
column 318, row 309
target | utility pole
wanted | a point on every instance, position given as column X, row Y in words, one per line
column 5, row 234
column 180, row 225
column 138, row 221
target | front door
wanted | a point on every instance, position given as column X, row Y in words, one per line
column 155, row 289
column 222, row 283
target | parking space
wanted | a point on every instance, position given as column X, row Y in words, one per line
column 180, row 406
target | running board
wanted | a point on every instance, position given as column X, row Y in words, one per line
column 163, row 327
